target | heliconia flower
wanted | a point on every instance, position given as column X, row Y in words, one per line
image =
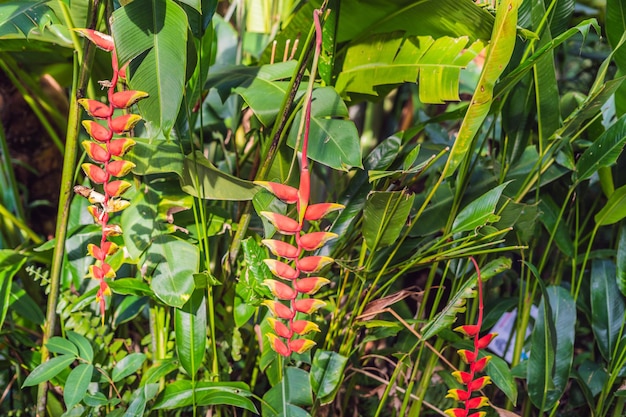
column 310, row 285
column 125, row 99
column 484, row 341
column 315, row 240
column 285, row 225
column 119, row 168
column 469, row 330
column 278, row 345
column 318, row 211
column 282, row 249
column 458, row 394
column 477, row 402
column 118, row 147
column 467, row 356
column 478, row 414
column 281, row 269
column 311, row 264
column 96, row 212
column 95, row 151
column 116, row 204
column 304, row 193
column 92, row 195
column 303, row 327
column 301, row 345
column 116, row 188
column 111, row 230
column 96, row 108
column 280, row 328
column 97, row 131
column 122, row 72
column 95, row 173
column 101, row 272
column 480, row 364
column 479, row 383
column 463, row 377
column 100, row 253
column 456, row 412
column 101, row 40
column 279, row 310
column 308, row 305
column 124, row 123
column 283, row 192
column 280, row 290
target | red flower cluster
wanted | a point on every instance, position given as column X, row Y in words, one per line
column 470, row 379
column 107, row 152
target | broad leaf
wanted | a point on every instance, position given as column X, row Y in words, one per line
column 384, row 216
column 128, row 365
column 549, row 217
column 139, row 399
column 25, row 16
column 615, row 29
column 48, row 370
column 190, row 326
column 85, row 351
column 180, row 394
column 57, row 344
column 200, row 178
column 501, row 376
column 77, row 383
column 297, row 393
column 614, row 210
column 10, row 263
column 607, row 308
column 498, row 55
column 389, row 59
column 479, row 212
column 154, row 34
column 172, row 262
column 327, row 373
column 333, row 138
column 604, row 151
column 621, row 259
column 155, row 156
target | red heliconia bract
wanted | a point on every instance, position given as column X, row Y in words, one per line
column 102, row 151
column 296, row 262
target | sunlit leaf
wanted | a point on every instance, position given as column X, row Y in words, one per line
column 479, row 212
column 190, row 325
column 614, row 210
column 48, row 370
column 384, row 216
column 327, row 373
column 604, row 151
column 77, row 383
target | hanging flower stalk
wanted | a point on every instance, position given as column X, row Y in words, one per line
column 469, row 379
column 295, row 268
column 107, row 150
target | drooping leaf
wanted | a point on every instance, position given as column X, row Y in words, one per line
column 384, row 216
column 25, row 16
column 190, row 325
column 57, row 344
column 615, row 29
column 200, row 178
column 77, row 383
column 479, row 212
column 327, row 372
column 153, row 34
column 48, row 370
column 333, row 138
column 456, row 304
column 549, row 218
column 614, row 210
column 386, row 60
column 154, row 156
column 181, row 394
column 297, row 387
column 500, row 50
column 172, row 262
column 85, row 350
column 500, row 374
column 604, row 151
column 128, row 365
column 620, row 276
column 607, row 307
column 10, row 263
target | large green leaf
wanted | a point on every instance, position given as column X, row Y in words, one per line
column 200, row 178
column 327, row 372
column 154, row 156
column 190, row 328
column 456, row 304
column 128, row 365
column 501, row 376
column 479, row 212
column 180, row 394
column 333, row 138
column 172, row 262
column 615, row 29
column 604, row 151
column 387, row 60
column 10, row 263
column 139, row 399
column 498, row 55
column 153, row 33
column 48, row 370
column 85, row 350
column 25, row 16
column 77, row 383
column 549, row 218
column 384, row 216
column 621, row 258
column 614, row 210
column 57, row 344
column 293, row 391
column 607, row 307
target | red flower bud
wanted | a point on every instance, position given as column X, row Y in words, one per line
column 480, row 364
column 284, row 192
column 302, row 327
column 124, row 123
column 100, row 253
column 479, row 383
column 279, row 327
column 301, row 345
column 119, row 168
column 318, row 211
column 96, row 108
column 469, row 330
column 101, row 272
column 95, row 151
column 310, row 285
column 312, row 264
column 124, row 99
column 456, row 412
column 477, row 402
column 111, row 230
column 278, row 345
column 280, row 290
column 119, row 147
column 279, row 310
column 101, row 40
column 280, row 248
column 315, row 240
column 97, row 131
column 484, row 341
column 463, row 377
column 285, row 225
column 308, row 305
column 95, row 173
column 478, row 414
column 281, row 269
column 116, row 188
column 458, row 394
column 467, row 356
